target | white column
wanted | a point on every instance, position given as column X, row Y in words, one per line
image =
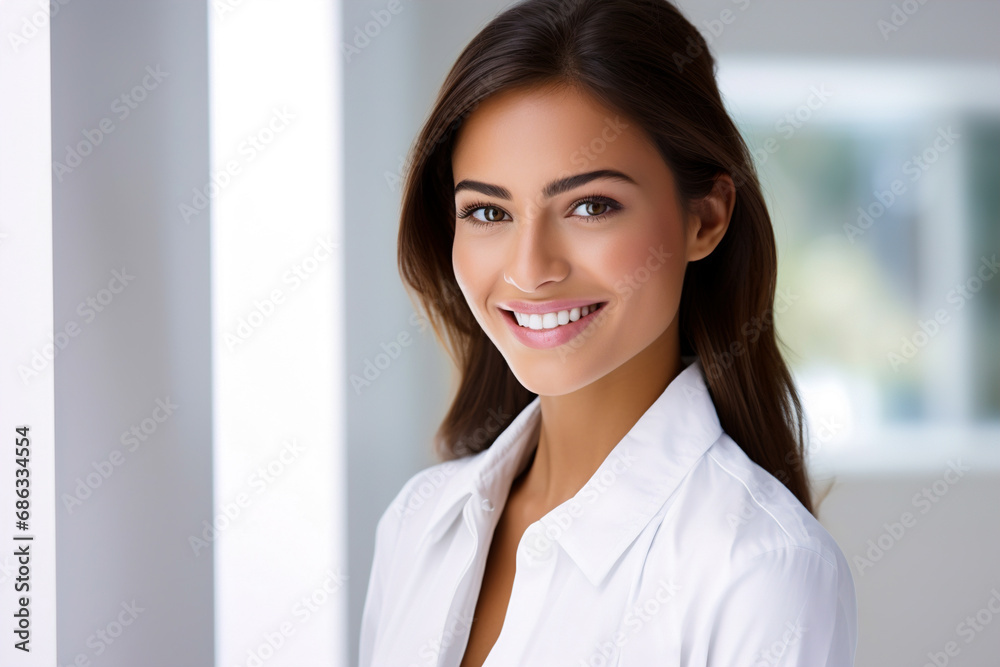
column 28, row 346
column 275, row 202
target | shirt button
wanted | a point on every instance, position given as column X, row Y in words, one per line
column 487, row 504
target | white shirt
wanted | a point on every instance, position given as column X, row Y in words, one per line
column 679, row 550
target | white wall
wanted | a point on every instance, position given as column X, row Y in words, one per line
column 127, row 543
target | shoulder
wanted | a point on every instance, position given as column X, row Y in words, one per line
column 749, row 510
column 397, row 531
column 418, row 497
column 765, row 565
column 732, row 522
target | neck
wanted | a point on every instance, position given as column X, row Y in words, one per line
column 578, row 431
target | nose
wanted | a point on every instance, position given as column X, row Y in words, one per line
column 536, row 257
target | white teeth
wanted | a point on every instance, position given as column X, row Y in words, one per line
column 552, row 320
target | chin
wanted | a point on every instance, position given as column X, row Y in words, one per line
column 556, row 375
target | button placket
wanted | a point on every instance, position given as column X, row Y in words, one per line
column 532, row 577
column 451, row 632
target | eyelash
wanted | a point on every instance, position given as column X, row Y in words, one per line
column 613, row 206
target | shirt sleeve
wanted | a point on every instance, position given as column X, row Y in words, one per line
column 785, row 608
column 386, row 532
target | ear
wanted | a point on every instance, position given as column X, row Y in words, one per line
column 708, row 218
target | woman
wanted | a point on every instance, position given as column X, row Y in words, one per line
column 624, row 482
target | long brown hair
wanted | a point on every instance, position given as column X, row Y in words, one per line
column 644, row 59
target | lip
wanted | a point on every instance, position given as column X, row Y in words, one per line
column 542, row 307
column 544, row 339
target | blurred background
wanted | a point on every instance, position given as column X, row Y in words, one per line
column 253, row 193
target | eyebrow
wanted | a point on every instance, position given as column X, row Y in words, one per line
column 552, row 189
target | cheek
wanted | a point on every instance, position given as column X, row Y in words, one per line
column 472, row 272
column 648, row 267
column 462, row 259
column 458, row 263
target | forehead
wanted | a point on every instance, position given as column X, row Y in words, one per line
column 543, row 131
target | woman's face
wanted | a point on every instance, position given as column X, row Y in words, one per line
column 562, row 203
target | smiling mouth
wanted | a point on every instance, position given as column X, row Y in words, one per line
column 552, row 320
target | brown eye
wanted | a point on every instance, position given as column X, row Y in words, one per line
column 596, row 208
column 491, row 215
column 497, row 214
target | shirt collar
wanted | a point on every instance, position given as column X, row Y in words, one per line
column 625, row 492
